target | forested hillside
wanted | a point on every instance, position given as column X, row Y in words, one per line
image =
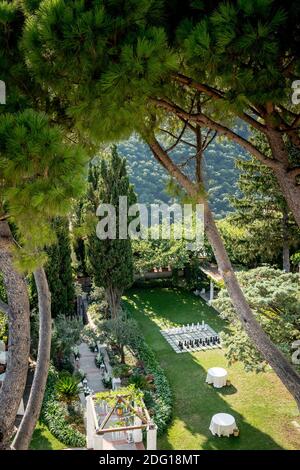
column 150, row 178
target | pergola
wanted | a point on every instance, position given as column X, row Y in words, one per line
column 212, row 272
column 103, row 429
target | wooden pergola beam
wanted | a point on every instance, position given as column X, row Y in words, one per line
column 142, row 418
column 108, row 415
column 123, row 428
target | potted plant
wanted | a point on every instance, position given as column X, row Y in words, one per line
column 236, row 432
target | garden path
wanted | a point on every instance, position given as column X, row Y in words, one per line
column 92, row 372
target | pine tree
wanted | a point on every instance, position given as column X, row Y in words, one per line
column 130, row 57
column 263, row 213
column 110, row 261
column 123, row 72
column 39, row 174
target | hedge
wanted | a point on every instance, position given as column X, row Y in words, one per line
column 161, row 397
column 53, row 414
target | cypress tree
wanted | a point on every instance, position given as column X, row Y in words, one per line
column 110, row 261
column 59, row 270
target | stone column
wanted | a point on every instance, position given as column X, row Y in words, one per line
column 98, row 441
column 151, row 437
column 137, row 433
column 211, row 292
column 90, row 425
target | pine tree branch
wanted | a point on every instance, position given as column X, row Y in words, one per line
column 217, row 94
column 209, row 141
column 207, row 122
column 178, row 139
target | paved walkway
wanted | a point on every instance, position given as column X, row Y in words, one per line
column 92, row 372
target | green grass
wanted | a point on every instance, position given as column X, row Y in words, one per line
column 42, row 439
column 263, row 409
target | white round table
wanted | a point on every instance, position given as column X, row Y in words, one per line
column 222, row 424
column 217, row 376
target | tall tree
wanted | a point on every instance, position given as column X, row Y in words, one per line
column 240, row 55
column 109, row 260
column 39, row 176
column 26, row 169
column 59, row 270
column 132, row 77
column 263, row 213
column 274, row 299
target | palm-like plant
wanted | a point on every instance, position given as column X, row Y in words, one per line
column 67, row 388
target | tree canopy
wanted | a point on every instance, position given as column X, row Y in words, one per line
column 274, row 298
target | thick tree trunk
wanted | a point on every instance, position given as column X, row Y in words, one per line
column 281, row 366
column 287, row 180
column 33, row 408
column 122, row 355
column 290, row 191
column 286, row 265
column 113, row 296
column 13, row 386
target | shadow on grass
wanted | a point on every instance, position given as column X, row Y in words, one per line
column 42, row 439
column 195, row 402
column 229, row 390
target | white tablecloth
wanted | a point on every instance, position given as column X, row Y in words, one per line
column 216, row 376
column 222, row 424
column 3, row 357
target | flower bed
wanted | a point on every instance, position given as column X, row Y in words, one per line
column 54, row 415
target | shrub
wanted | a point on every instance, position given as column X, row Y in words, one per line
column 140, row 381
column 121, row 371
column 54, row 414
column 67, row 388
column 99, row 359
column 107, row 382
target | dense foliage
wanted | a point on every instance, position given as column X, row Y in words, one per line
column 150, row 179
column 54, row 413
column 59, row 271
column 109, row 254
column 274, row 298
column 65, row 335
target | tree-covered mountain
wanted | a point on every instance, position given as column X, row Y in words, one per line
column 150, row 179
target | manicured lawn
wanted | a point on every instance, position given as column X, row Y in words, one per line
column 42, row 439
column 263, row 409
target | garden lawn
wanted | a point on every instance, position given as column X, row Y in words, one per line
column 42, row 439
column 264, row 411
